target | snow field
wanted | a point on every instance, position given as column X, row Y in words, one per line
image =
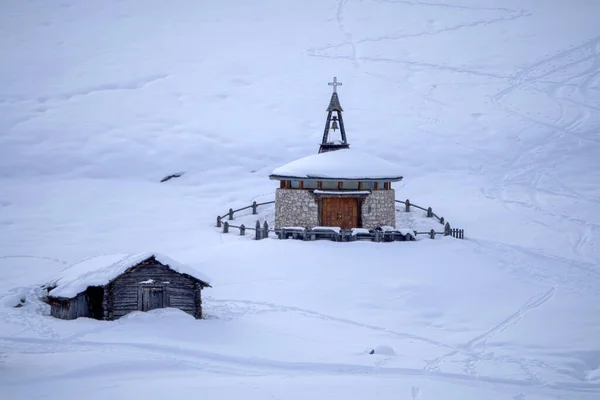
column 490, row 110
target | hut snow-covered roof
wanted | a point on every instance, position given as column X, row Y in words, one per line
column 343, row 164
column 101, row 270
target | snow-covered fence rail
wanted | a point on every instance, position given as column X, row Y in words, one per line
column 260, row 232
column 345, row 235
column 229, row 214
column 448, row 231
column 349, row 235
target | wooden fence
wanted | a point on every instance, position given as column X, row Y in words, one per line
column 448, row 230
column 345, row 235
column 254, row 206
column 375, row 235
column 260, row 232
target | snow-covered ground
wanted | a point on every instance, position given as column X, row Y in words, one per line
column 491, row 108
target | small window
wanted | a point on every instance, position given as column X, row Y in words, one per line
column 329, row 185
column 368, row 185
column 310, row 184
column 295, row 185
column 350, row 185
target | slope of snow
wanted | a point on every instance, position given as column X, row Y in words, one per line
column 491, row 110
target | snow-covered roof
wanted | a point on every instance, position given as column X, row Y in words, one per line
column 339, row 164
column 100, row 270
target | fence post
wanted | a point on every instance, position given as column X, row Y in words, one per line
column 447, row 229
column 226, row 227
column 429, row 213
column 407, row 205
column 218, row 221
column 242, row 230
column 265, row 230
column 257, row 231
column 230, row 213
column 462, row 233
column 432, row 234
column 254, row 206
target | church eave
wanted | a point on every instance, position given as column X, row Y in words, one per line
column 333, row 179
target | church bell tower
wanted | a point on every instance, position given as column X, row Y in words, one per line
column 334, row 122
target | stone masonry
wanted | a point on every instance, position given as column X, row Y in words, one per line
column 379, row 209
column 295, row 208
column 300, row 208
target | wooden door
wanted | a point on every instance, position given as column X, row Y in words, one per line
column 152, row 298
column 339, row 211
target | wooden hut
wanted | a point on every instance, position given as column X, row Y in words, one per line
column 339, row 186
column 111, row 286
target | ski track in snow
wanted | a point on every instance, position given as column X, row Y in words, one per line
column 559, row 272
column 132, row 84
column 255, row 366
column 342, row 27
column 445, row 5
column 271, row 307
column 561, row 129
column 400, row 36
column 549, row 77
column 474, row 350
column 472, row 356
column 321, row 52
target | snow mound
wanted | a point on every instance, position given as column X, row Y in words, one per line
column 385, row 350
column 13, row 300
column 100, row 270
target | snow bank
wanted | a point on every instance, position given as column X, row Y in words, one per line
column 385, row 350
column 13, row 300
column 343, row 164
column 335, row 229
column 100, row 270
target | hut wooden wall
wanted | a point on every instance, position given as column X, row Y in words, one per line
column 70, row 308
column 121, row 295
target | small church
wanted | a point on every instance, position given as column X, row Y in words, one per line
column 338, row 186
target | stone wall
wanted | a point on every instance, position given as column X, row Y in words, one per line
column 379, row 209
column 299, row 208
column 295, row 208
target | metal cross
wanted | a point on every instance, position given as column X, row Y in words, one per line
column 335, row 84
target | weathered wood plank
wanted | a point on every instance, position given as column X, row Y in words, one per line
column 163, row 287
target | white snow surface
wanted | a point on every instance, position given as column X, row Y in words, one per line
column 490, row 109
column 100, row 270
column 343, row 164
